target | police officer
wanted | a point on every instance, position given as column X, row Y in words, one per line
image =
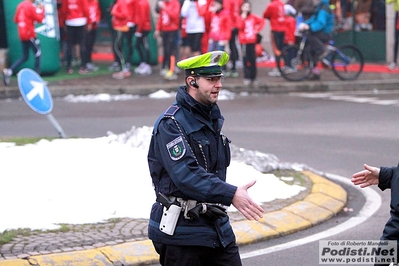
column 188, row 157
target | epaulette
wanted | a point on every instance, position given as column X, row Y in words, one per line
column 171, row 111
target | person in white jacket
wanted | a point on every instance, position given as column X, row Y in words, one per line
column 194, row 11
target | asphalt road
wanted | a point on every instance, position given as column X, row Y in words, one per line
column 328, row 133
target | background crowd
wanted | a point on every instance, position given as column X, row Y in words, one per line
column 182, row 29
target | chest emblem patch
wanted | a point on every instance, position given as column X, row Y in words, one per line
column 176, row 148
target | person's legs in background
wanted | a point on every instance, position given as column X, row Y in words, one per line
column 125, row 72
column 116, row 65
column 81, row 41
column 277, row 44
column 234, row 55
column 37, row 51
column 70, row 43
column 249, row 61
column 143, row 49
column 7, row 72
column 393, row 65
column 170, row 48
column 89, row 43
column 129, row 40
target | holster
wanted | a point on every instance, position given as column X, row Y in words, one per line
column 169, row 219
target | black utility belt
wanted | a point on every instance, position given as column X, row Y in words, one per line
column 192, row 210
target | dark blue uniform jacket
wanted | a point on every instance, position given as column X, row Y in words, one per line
column 194, row 171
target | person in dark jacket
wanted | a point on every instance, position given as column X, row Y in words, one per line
column 384, row 177
column 188, row 158
column 274, row 12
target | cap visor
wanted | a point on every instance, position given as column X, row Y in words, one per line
column 211, row 75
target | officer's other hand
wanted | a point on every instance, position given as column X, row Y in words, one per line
column 244, row 204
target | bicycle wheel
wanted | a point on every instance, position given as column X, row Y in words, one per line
column 347, row 62
column 292, row 64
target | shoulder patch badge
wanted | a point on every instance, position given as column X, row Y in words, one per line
column 176, row 148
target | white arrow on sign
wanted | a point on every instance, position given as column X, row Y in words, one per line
column 38, row 89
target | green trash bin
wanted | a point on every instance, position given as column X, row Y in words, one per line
column 47, row 32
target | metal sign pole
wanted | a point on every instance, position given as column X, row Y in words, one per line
column 56, row 125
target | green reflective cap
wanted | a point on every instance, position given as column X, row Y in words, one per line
column 208, row 64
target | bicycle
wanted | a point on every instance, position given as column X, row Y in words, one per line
column 345, row 61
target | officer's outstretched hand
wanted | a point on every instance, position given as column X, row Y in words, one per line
column 244, row 204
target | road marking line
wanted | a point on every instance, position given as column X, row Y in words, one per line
column 347, row 98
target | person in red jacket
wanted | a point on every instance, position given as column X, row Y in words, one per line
column 274, row 12
column 142, row 31
column 290, row 22
column 94, row 20
column 289, row 34
column 167, row 27
column 220, row 30
column 204, row 10
column 132, row 17
column 233, row 6
column 25, row 17
column 249, row 25
column 120, row 25
column 76, row 18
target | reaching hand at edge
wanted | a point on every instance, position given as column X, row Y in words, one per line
column 366, row 177
column 244, row 204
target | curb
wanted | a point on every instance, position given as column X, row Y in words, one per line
column 324, row 201
column 264, row 87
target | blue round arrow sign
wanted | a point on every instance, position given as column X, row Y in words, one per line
column 34, row 91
